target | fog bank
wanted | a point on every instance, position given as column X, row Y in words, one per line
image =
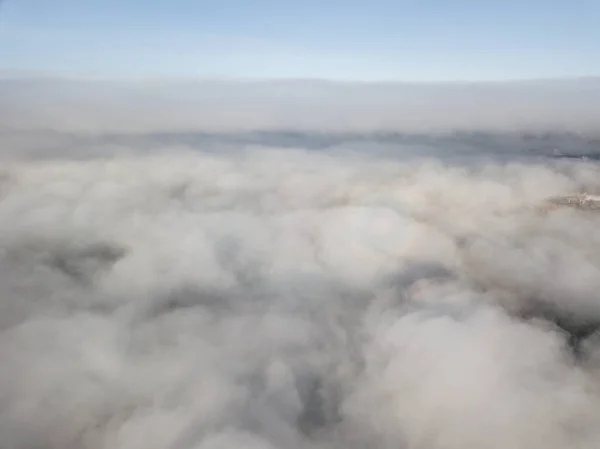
column 225, row 291
column 309, row 105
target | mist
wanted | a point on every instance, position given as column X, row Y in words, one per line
column 298, row 264
column 155, row 105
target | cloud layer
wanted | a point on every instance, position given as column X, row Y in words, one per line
column 136, row 106
column 357, row 295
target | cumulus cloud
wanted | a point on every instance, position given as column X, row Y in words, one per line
column 358, row 293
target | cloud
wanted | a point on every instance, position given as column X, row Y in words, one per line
column 218, row 105
column 344, row 293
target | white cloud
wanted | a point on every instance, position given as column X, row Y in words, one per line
column 208, row 290
column 243, row 296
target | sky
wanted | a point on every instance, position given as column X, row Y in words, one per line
column 402, row 40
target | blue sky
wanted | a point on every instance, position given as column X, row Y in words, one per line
column 366, row 40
